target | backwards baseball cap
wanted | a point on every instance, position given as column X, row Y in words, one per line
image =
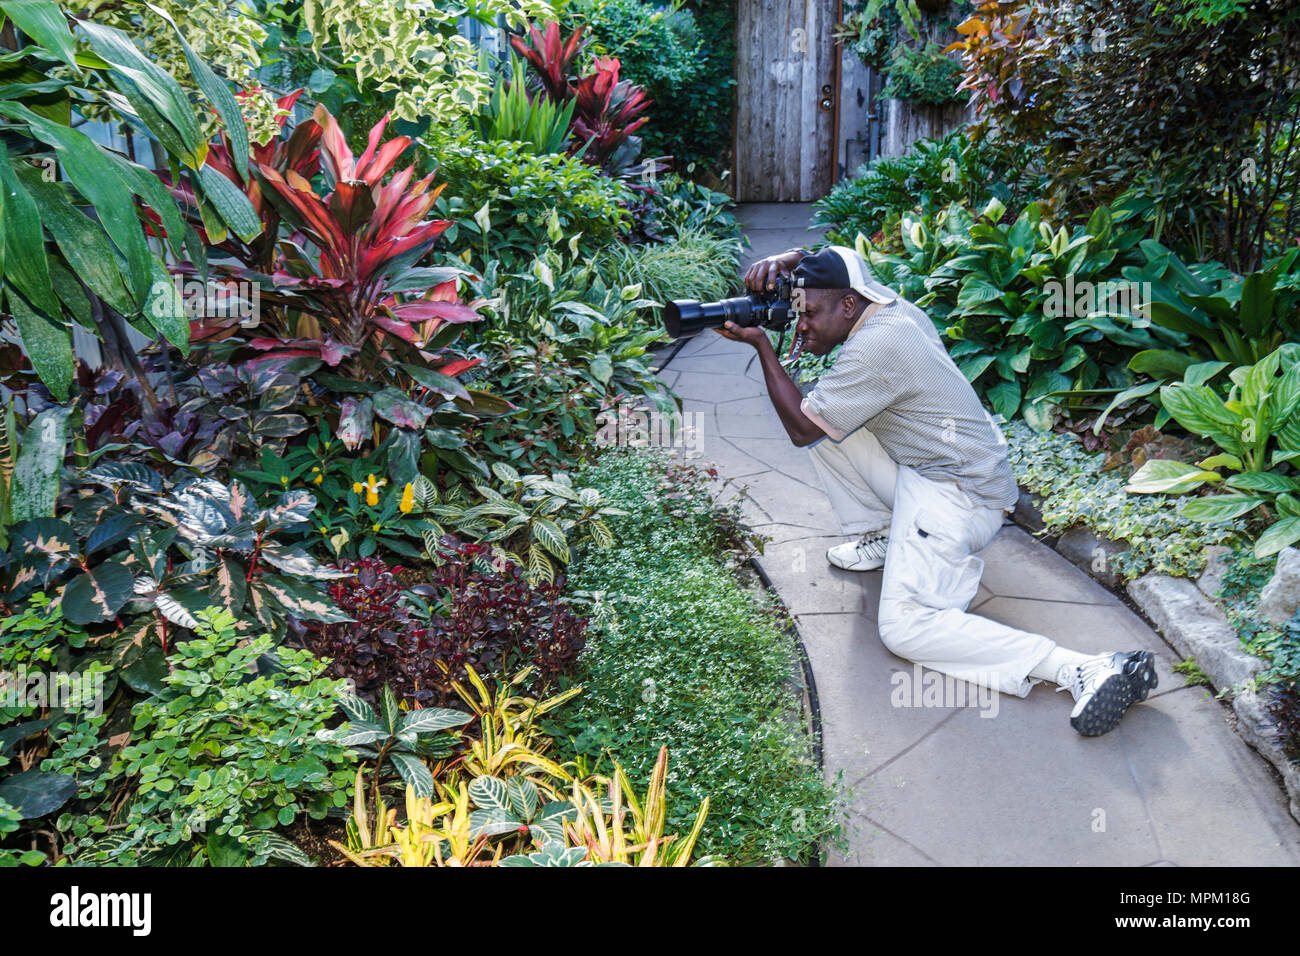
column 840, row 267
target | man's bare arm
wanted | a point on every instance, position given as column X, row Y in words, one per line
column 786, row 397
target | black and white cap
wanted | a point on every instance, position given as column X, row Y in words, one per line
column 840, row 267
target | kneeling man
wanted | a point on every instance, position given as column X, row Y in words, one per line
column 897, row 430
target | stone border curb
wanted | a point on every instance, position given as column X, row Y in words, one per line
column 1189, row 621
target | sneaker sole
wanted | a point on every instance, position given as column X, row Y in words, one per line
column 1116, row 694
column 874, row 566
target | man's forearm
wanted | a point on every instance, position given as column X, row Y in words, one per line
column 786, row 397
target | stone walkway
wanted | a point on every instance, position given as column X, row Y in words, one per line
column 1000, row 781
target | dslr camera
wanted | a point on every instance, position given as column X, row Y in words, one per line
column 773, row 309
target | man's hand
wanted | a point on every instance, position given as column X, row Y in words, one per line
column 749, row 334
column 762, row 274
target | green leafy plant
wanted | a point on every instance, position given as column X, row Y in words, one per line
column 78, row 244
column 512, row 115
column 405, row 739
column 1001, row 294
column 924, row 75
column 1257, row 418
column 543, row 517
column 227, row 750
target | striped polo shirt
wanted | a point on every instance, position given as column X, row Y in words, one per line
column 894, row 377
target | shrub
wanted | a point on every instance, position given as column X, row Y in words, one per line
column 1190, row 102
column 924, row 75
column 932, row 174
column 228, row 749
column 476, row 615
column 519, row 195
column 1075, row 491
column 692, row 265
column 660, row 48
column 682, row 655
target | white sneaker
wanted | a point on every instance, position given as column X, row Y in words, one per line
column 865, row 554
column 1105, row 686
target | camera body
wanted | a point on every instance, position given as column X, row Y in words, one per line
column 771, row 309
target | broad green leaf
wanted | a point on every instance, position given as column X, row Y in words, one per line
column 1217, row 508
column 97, row 595
column 232, row 119
column 231, row 204
column 80, row 239
column 47, row 342
column 158, row 86
column 1163, row 475
column 36, row 474
column 414, row 773
column 98, row 179
column 489, row 793
column 428, row 720
column 549, row 535
column 26, row 268
column 1279, row 535
column 44, row 22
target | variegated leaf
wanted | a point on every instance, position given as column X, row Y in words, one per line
column 489, row 793
column 291, row 508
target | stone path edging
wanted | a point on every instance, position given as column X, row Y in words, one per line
column 1193, row 624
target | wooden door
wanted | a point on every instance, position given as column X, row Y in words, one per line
column 787, row 89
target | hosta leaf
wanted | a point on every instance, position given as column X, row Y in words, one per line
column 99, row 594
column 1269, row 482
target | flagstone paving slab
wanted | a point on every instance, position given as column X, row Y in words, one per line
column 946, row 785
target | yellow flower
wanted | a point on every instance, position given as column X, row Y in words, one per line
column 318, row 479
column 371, row 488
column 408, row 499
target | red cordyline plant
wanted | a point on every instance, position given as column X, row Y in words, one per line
column 367, row 234
column 608, row 110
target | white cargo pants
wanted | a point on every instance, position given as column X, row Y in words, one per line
column 931, row 573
